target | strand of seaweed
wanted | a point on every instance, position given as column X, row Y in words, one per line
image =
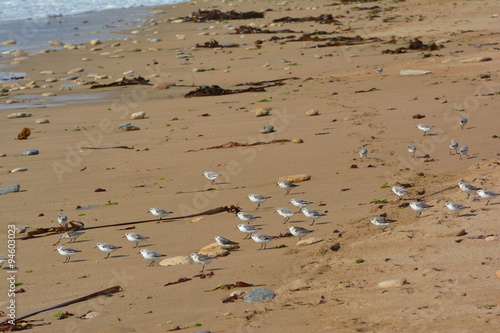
column 233, row 144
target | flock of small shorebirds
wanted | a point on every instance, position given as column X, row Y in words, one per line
column 285, row 212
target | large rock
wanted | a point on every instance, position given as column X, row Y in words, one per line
column 174, row 261
column 9, row 42
column 296, row 178
column 215, row 253
column 259, row 295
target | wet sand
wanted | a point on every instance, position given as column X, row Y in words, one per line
column 451, row 281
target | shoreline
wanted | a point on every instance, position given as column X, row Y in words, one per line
column 434, row 263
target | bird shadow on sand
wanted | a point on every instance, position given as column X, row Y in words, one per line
column 222, row 183
column 213, row 269
column 493, row 203
column 321, row 223
column 470, row 157
column 466, row 215
column 79, row 260
column 119, row 256
column 431, row 134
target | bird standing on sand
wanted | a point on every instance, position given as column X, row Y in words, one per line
column 257, row 198
column 419, row 207
column 412, row 149
column 211, row 176
column 158, row 212
column 287, row 185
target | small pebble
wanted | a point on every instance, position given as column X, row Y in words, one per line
column 138, row 115
column 312, row 112
column 266, row 129
column 259, row 295
column 30, row 152
column 392, row 283
column 10, row 189
column 128, row 127
column 19, row 170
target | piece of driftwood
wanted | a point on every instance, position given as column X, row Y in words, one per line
column 107, row 291
column 42, row 232
column 260, row 83
column 233, row 144
column 117, row 147
column 123, row 82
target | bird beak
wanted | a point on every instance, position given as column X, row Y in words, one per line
column 148, row 211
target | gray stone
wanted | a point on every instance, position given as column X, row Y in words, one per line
column 10, row 189
column 69, row 78
column 259, row 295
column 30, row 152
column 266, row 129
column 414, row 72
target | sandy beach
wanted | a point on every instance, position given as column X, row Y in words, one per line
column 443, row 271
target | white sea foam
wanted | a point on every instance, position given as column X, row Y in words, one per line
column 29, row 9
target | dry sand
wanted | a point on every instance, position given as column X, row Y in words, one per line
column 451, row 282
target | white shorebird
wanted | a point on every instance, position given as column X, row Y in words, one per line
column 257, row 198
column 454, row 146
column 151, row 255
column 248, row 229
column 312, row 214
column 468, row 188
column 225, row 243
column 67, row 252
column 201, row 259
column 419, row 207
column 287, row 185
column 158, row 212
column 464, row 150
column 212, row 176
column 363, row 152
column 262, row 239
column 107, row 248
column 247, row 217
column 301, row 203
column 285, row 212
column 135, row 238
column 485, row 194
column 71, row 235
column 463, row 121
column 455, row 207
column 425, row 128
column 381, row 221
column 399, row 191
column 299, row 231
column 379, row 71
column 412, row 149
column 62, row 219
